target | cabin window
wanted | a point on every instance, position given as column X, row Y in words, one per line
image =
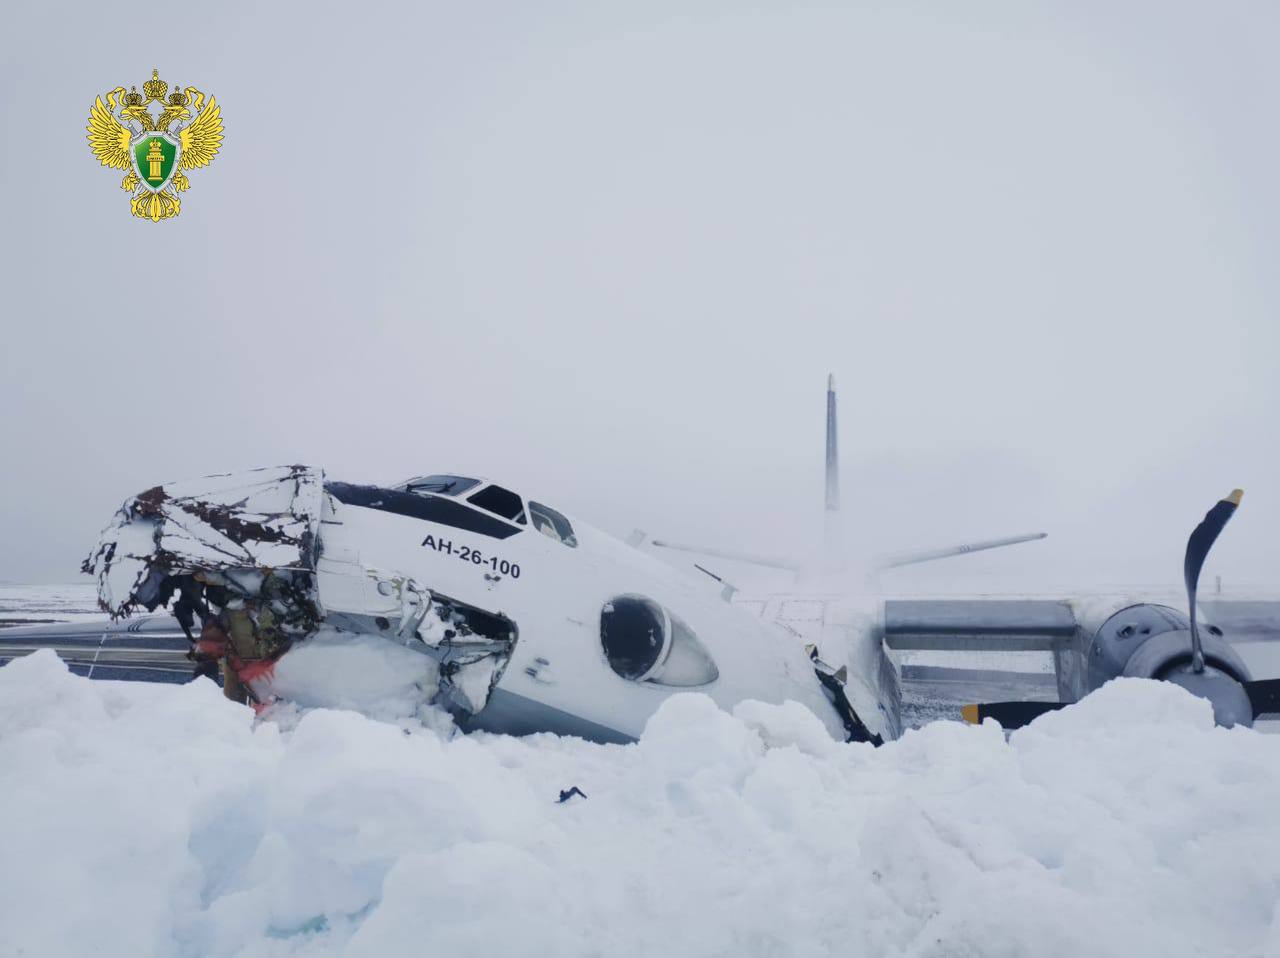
column 646, row 643
column 501, row 502
column 441, row 485
column 550, row 523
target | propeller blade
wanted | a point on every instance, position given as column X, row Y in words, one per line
column 1264, row 696
column 1011, row 715
column 1201, row 541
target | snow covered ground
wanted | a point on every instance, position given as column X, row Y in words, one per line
column 33, row 604
column 163, row 820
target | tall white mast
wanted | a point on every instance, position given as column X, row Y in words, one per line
column 831, row 516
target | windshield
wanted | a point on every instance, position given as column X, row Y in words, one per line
column 440, row 485
column 501, row 502
column 551, row 523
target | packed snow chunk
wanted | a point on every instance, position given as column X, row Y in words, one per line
column 365, row 673
column 446, row 901
column 689, row 737
column 159, row 820
column 788, row 724
column 38, row 687
column 1126, row 701
column 101, row 784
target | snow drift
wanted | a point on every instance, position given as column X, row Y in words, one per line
column 160, row 820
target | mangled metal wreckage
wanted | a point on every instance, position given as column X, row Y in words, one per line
column 254, row 563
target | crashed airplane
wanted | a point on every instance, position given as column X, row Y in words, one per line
column 517, row 618
column 524, row 619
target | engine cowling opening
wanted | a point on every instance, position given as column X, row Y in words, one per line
column 645, row 642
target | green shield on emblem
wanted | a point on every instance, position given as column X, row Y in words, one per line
column 155, row 157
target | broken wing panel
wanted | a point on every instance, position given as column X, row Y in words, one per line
column 266, row 518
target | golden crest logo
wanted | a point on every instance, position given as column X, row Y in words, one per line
column 135, row 132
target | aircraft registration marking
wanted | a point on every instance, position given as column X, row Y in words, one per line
column 472, row 555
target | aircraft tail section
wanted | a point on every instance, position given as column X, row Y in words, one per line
column 833, row 544
column 833, row 451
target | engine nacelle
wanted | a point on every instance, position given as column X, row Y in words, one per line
column 1154, row 642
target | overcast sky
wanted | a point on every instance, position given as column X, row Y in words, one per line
column 610, row 253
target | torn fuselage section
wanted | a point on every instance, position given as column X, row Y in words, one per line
column 241, row 562
column 244, row 524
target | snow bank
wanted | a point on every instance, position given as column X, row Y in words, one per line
column 158, row 820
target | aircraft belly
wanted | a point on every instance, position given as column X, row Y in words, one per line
column 511, row 713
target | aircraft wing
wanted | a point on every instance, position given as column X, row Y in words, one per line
column 1074, row 631
column 1028, row 625
column 1245, row 620
column 147, row 648
column 1044, row 625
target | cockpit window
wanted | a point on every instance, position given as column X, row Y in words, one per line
column 441, row 485
column 501, row 502
column 550, row 523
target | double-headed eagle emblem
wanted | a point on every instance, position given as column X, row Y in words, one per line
column 127, row 133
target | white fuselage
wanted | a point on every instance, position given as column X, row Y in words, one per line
column 558, row 677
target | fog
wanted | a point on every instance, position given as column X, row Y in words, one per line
column 610, row 253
